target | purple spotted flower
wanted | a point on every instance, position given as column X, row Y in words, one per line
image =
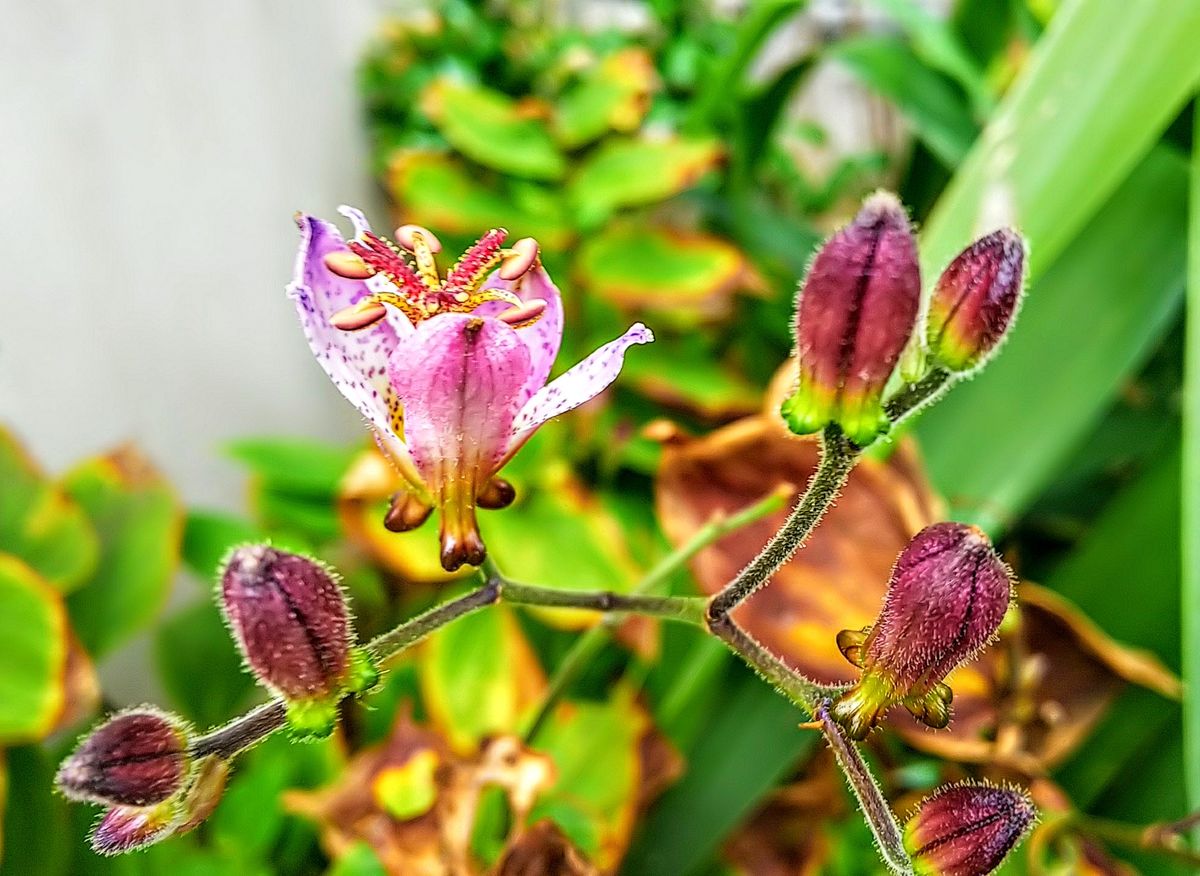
column 449, row 371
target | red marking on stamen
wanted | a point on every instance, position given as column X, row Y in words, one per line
column 468, row 271
column 381, row 256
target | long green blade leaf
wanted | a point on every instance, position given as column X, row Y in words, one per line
column 994, row 444
column 1190, row 547
column 1104, row 81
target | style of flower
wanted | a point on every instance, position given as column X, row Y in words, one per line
column 450, row 372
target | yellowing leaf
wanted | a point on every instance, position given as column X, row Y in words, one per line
column 614, row 94
column 408, row 790
column 33, row 653
column 40, row 523
column 624, row 173
column 642, row 266
column 437, row 190
column 493, row 129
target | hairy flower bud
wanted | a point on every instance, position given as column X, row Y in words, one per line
column 948, row 592
column 136, row 758
column 289, row 617
column 975, row 300
column 128, row 828
column 967, row 830
column 854, row 317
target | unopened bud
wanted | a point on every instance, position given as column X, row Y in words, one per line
column 975, row 300
column 289, row 617
column 855, row 314
column 948, row 593
column 967, row 830
column 524, row 255
column 358, row 316
column 346, row 264
column 136, row 758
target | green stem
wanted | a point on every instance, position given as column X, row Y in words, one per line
column 802, row 691
column 883, row 824
column 689, row 609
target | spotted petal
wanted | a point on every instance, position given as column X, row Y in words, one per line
column 581, row 383
column 544, row 337
column 356, row 362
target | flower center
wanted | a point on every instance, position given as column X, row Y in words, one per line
column 419, row 290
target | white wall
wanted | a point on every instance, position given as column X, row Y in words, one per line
column 151, row 157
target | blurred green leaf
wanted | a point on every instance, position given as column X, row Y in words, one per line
column 491, row 128
column 33, row 652
column 478, row 676
column 358, row 860
column 937, row 113
column 439, row 191
column 208, row 536
column 749, row 744
column 1061, row 141
column 40, row 523
column 140, row 524
column 939, row 48
column 199, row 665
column 993, row 444
column 295, row 465
column 594, row 747
column 1190, row 472
column 644, row 266
column 630, row 172
column 36, row 819
column 613, row 94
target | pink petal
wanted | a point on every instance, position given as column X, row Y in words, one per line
column 356, row 361
column 544, row 337
column 581, row 383
column 460, row 379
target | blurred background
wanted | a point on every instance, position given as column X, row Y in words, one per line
column 678, row 162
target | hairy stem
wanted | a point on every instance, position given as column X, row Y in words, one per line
column 802, row 691
column 874, row 807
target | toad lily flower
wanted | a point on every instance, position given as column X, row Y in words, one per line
column 450, row 372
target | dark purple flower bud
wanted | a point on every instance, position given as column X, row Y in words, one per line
column 948, row 593
column 135, row 758
column 854, row 317
column 289, row 617
column 975, row 301
column 967, row 830
column 127, row 828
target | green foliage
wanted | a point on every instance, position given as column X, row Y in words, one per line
column 33, row 652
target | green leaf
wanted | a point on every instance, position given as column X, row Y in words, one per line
column 748, row 745
column 33, row 652
column 200, row 668
column 40, row 523
column 613, row 94
column 638, row 265
column 1060, row 142
column 629, row 172
column 140, row 524
column 994, row 443
column 208, row 536
column 37, row 838
column 1190, row 598
column 594, row 747
column 491, row 128
column 938, row 47
column 936, row 112
column 478, row 677
column 358, row 860
column 295, row 465
column 439, row 191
